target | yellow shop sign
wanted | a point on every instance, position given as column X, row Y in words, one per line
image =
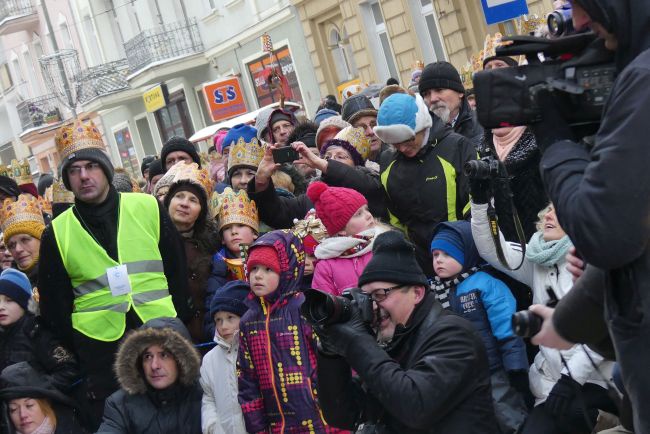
column 155, row 98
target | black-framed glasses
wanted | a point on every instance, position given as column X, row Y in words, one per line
column 381, row 294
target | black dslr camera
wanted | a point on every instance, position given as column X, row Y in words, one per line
column 578, row 70
column 527, row 324
column 321, row 308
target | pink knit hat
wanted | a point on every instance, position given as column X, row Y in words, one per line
column 335, row 205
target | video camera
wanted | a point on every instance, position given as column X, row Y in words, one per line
column 321, row 308
column 578, row 70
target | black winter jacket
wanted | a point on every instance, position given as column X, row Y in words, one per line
column 602, row 197
column 467, row 124
column 433, row 378
column 28, row 341
column 429, row 188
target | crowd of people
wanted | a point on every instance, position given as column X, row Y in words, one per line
column 178, row 304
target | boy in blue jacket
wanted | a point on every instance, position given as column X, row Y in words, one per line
column 488, row 304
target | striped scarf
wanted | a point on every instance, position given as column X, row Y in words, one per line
column 441, row 287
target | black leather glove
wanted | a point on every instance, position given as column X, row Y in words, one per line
column 335, row 339
column 480, row 190
column 553, row 127
column 562, row 395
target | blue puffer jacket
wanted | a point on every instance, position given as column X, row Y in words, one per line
column 488, row 304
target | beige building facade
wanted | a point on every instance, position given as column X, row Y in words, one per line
column 371, row 40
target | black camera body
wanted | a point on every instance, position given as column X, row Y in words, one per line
column 526, row 323
column 581, row 85
column 322, row 308
column 486, row 168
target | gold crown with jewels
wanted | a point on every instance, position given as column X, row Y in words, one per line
column 245, row 154
column 23, row 216
column 77, row 135
column 231, row 208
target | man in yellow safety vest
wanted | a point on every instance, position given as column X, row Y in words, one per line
column 108, row 264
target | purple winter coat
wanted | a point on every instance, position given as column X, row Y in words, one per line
column 277, row 351
column 338, row 274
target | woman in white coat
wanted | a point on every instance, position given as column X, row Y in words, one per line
column 557, row 388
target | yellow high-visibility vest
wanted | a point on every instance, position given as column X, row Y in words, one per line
column 97, row 313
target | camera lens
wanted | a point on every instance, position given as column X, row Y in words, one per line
column 526, row 324
column 322, row 308
column 555, row 23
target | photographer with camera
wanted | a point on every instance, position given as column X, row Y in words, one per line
column 425, row 372
column 562, row 389
column 603, row 194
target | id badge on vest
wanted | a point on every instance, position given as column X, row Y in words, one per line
column 118, row 280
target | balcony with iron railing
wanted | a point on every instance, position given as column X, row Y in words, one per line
column 101, row 80
column 40, row 111
column 163, row 43
column 16, row 15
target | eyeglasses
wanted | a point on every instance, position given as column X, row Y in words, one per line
column 89, row 167
column 381, row 294
column 343, row 156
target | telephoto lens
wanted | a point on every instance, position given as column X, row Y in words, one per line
column 526, row 324
column 322, row 308
column 560, row 22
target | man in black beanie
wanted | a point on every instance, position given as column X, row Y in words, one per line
column 107, row 264
column 443, row 91
column 8, row 188
column 178, row 149
column 427, row 374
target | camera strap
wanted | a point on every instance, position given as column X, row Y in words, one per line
column 494, row 232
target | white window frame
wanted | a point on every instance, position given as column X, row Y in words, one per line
column 433, row 48
column 64, row 30
column 345, row 66
column 383, row 60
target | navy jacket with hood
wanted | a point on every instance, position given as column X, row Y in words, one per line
column 488, row 304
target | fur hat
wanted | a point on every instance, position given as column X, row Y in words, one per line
column 305, row 132
column 335, row 205
column 390, row 90
column 335, row 122
column 440, row 75
column 170, row 334
column 179, row 144
column 401, row 117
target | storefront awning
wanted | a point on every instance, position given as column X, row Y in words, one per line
column 207, row 132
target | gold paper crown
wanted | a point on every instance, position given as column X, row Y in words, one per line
column 77, row 135
column 530, row 24
column 191, row 173
column 21, row 172
column 310, row 225
column 60, row 194
column 466, row 75
column 357, row 138
column 24, row 216
column 236, row 208
column 4, row 171
column 418, row 65
column 245, row 154
column 45, row 204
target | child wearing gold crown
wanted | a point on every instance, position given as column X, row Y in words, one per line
column 238, row 226
column 22, row 224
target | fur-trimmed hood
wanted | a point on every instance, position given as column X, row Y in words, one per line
column 166, row 333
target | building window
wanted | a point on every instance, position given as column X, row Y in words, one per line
column 260, row 70
column 5, row 77
column 33, row 81
column 173, row 119
column 341, row 55
column 94, row 53
column 127, row 153
column 382, row 35
column 432, row 33
column 66, row 37
column 7, row 153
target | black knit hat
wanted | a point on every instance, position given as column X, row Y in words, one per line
column 393, row 260
column 9, row 187
column 440, row 75
column 186, row 185
column 91, row 154
column 179, row 144
column 146, row 162
column 509, row 60
column 156, row 168
column 230, row 298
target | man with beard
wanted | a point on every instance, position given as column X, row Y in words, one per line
column 602, row 197
column 443, row 91
column 427, row 370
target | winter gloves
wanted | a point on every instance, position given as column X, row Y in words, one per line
column 559, row 401
column 335, row 339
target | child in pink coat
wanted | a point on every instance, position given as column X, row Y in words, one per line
column 352, row 230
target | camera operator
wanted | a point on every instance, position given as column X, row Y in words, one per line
column 603, row 195
column 426, row 372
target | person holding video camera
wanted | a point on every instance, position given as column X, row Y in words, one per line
column 426, row 371
column 603, row 194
